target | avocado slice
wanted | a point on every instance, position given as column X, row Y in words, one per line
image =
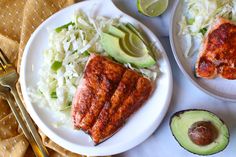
column 130, row 42
column 112, row 45
column 199, row 131
column 133, row 41
column 121, row 34
column 116, row 31
column 134, row 30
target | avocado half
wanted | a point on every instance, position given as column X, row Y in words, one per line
column 199, row 131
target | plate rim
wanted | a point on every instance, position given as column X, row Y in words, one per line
column 43, row 126
column 173, row 47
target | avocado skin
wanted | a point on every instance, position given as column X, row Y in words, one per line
column 187, row 110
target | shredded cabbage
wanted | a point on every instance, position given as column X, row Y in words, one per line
column 64, row 61
column 69, row 48
column 200, row 14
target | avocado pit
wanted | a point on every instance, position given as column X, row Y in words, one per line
column 202, row 133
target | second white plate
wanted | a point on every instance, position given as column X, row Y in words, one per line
column 220, row 88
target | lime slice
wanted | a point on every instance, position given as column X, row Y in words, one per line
column 152, row 7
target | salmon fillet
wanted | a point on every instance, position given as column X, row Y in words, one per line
column 107, row 96
column 217, row 56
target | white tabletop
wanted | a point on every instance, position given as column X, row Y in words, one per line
column 185, row 96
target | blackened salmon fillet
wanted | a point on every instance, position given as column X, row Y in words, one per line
column 107, row 96
column 217, row 55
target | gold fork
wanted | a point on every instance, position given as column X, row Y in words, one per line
column 5, row 94
column 8, row 78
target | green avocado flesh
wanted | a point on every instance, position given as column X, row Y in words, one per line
column 182, row 121
column 132, row 28
column 125, row 46
column 133, row 42
column 122, row 36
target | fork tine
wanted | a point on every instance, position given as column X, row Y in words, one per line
column 3, row 58
column 2, row 66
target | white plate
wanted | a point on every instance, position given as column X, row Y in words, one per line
column 220, row 88
column 139, row 127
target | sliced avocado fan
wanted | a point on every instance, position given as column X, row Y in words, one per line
column 126, row 46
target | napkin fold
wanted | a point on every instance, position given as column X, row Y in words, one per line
column 18, row 20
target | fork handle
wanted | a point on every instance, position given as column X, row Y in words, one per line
column 25, row 130
column 29, row 123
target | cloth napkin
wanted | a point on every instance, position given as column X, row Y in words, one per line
column 18, row 20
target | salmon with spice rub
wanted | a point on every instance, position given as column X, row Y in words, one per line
column 217, row 55
column 106, row 97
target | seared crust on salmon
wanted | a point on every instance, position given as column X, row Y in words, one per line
column 218, row 53
column 106, row 97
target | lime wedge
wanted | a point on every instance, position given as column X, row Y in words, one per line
column 152, row 7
